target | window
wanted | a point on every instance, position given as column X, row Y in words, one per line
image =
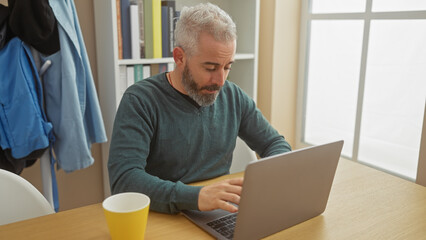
column 362, row 79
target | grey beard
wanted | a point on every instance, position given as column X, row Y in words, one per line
column 193, row 90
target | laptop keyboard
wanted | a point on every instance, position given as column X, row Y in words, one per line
column 224, row 225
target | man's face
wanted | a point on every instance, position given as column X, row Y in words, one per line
column 206, row 71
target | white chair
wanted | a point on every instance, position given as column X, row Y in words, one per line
column 241, row 157
column 421, row 167
column 19, row 199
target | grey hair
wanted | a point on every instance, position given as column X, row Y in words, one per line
column 203, row 17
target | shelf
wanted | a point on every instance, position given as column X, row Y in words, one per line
column 238, row 56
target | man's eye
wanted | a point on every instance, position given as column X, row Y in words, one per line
column 211, row 69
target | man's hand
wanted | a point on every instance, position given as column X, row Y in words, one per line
column 219, row 194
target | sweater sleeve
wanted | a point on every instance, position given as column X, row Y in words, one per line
column 257, row 132
column 133, row 131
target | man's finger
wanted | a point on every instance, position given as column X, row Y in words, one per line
column 234, row 189
column 236, row 181
column 228, row 207
column 229, row 197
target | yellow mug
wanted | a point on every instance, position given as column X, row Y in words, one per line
column 126, row 215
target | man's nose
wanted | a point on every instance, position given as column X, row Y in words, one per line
column 220, row 77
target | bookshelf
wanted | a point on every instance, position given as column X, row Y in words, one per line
column 245, row 13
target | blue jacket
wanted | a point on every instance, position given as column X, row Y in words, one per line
column 70, row 95
column 23, row 125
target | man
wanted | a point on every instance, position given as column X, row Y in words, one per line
column 180, row 127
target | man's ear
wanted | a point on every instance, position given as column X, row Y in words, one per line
column 179, row 57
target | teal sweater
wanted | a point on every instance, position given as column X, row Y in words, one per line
column 161, row 142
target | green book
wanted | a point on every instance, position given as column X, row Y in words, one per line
column 148, row 34
column 138, row 72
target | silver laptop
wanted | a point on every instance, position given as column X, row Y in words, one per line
column 278, row 192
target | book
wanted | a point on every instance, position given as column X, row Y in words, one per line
column 164, row 30
column 155, row 69
column 125, row 28
column 148, row 38
column 122, row 84
column 156, row 29
column 134, row 30
column 141, row 28
column 146, row 71
column 170, row 66
column 138, row 72
column 130, row 79
column 162, row 67
column 119, row 34
column 171, row 23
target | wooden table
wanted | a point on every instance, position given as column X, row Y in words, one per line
column 364, row 204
